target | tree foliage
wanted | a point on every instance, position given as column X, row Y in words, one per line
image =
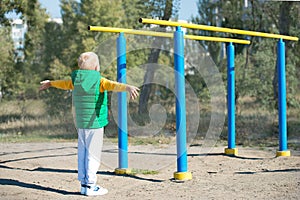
column 30, row 69
column 165, row 10
column 256, row 73
column 51, row 49
column 8, row 73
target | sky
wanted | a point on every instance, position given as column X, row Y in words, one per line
column 187, row 8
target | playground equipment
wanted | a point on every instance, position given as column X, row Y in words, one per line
column 178, row 36
column 216, row 29
column 232, row 150
column 163, row 34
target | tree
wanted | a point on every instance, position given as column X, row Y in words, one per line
column 8, row 75
column 133, row 10
column 70, row 10
column 165, row 14
column 105, row 13
column 208, row 16
column 53, row 44
column 254, row 76
column 30, row 69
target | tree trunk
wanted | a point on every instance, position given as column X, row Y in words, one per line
column 153, row 58
column 148, row 78
column 284, row 25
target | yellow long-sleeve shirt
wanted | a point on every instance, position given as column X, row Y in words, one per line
column 105, row 84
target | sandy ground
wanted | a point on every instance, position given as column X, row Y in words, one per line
column 48, row 171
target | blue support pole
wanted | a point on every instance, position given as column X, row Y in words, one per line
column 181, row 173
column 282, row 99
column 231, row 150
column 122, row 106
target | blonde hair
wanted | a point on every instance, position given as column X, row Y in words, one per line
column 89, row 61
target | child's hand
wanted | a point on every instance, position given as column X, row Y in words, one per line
column 133, row 91
column 45, row 85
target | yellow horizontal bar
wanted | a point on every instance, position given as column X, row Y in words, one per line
column 161, row 34
column 216, row 29
column 128, row 31
column 216, row 39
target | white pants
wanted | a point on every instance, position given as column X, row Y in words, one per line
column 90, row 143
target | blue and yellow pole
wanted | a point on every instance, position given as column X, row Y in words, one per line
column 283, row 151
column 182, row 173
column 122, row 107
column 231, row 150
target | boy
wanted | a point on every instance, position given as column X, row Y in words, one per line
column 90, row 115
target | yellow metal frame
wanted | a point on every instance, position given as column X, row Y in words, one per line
column 122, row 171
column 128, row 31
column 162, row 34
column 283, row 153
column 232, row 152
column 216, row 39
column 182, row 176
column 216, row 29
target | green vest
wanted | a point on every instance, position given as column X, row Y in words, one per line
column 90, row 104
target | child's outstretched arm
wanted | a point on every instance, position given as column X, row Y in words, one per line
column 104, row 85
column 60, row 84
column 119, row 87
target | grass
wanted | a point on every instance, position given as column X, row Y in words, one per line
column 156, row 140
column 19, row 138
column 135, row 172
column 28, row 121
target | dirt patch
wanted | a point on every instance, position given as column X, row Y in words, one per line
column 48, row 171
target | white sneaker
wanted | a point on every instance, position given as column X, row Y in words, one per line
column 83, row 189
column 95, row 190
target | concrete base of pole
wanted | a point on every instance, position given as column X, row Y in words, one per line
column 182, row 176
column 232, row 152
column 122, row 171
column 283, row 153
